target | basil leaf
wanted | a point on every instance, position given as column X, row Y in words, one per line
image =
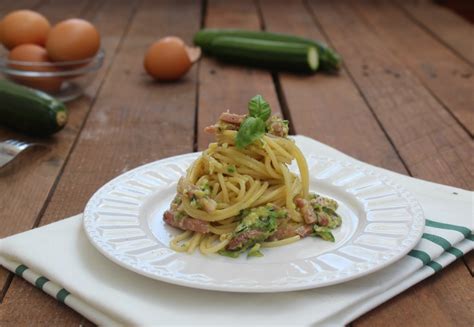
column 251, row 129
column 259, row 108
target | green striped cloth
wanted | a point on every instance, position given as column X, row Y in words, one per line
column 40, row 282
column 442, row 242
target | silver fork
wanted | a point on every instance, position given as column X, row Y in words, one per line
column 10, row 149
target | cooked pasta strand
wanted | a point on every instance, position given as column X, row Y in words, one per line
column 227, row 184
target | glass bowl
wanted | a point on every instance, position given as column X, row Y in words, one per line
column 65, row 80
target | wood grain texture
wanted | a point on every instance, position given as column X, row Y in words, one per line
column 320, row 102
column 134, row 121
column 327, row 107
column 446, row 25
column 443, row 300
column 35, row 172
column 38, row 170
column 9, row 6
column 429, row 140
column 449, row 78
column 469, row 262
column 30, row 306
column 228, row 87
column 5, row 8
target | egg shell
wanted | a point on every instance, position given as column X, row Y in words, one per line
column 167, row 59
column 24, row 27
column 33, row 53
column 72, row 39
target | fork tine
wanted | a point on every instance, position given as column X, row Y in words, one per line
column 13, row 142
column 19, row 144
column 9, row 149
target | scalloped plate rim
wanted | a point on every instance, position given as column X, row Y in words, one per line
column 418, row 220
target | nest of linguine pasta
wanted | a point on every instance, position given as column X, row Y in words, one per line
column 239, row 195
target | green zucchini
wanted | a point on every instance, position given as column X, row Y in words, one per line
column 30, row 111
column 267, row 54
column 329, row 59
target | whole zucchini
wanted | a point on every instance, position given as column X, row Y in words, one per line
column 268, row 54
column 329, row 59
column 30, row 111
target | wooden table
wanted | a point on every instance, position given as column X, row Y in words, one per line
column 404, row 101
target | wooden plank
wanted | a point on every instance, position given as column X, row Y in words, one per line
column 449, row 78
column 32, row 307
column 393, row 92
column 328, row 107
column 8, row 6
column 314, row 93
column 133, row 121
column 57, row 10
column 449, row 27
column 228, row 87
column 444, row 299
column 37, row 170
column 5, row 8
column 428, row 139
column 469, row 262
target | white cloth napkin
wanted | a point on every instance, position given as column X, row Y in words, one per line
column 59, row 259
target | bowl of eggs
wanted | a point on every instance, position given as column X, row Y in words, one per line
column 60, row 60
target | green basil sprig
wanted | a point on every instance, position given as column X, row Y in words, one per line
column 253, row 127
column 259, row 108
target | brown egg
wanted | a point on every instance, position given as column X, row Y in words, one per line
column 72, row 39
column 34, row 53
column 167, row 59
column 24, row 26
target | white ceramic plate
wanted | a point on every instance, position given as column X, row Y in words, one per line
column 381, row 222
